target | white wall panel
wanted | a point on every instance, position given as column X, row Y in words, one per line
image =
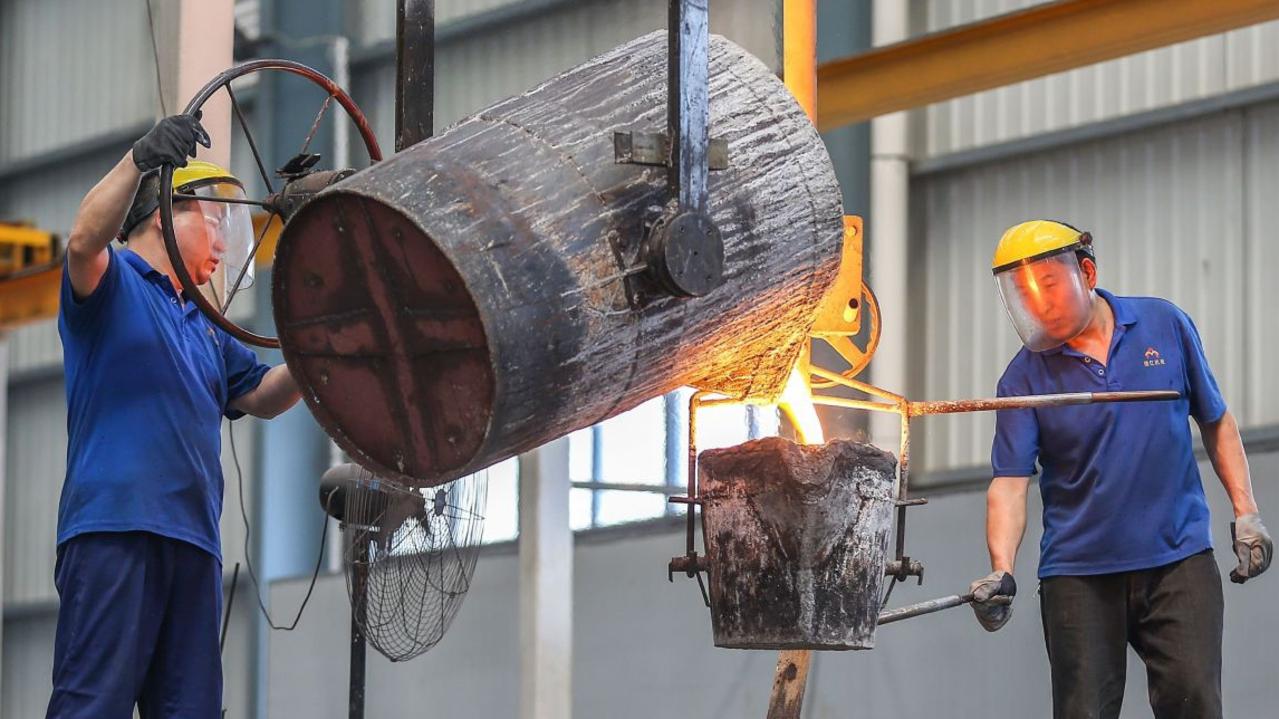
column 34, row 468
column 1170, row 215
column 35, row 347
column 1150, row 80
column 28, row 665
column 1261, row 257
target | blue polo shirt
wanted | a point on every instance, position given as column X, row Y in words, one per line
column 1120, row 485
column 148, row 380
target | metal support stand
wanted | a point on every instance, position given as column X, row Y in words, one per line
column 359, row 587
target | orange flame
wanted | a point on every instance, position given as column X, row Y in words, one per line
column 797, row 403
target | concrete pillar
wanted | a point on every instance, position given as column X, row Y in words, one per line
column 887, row 256
column 195, row 39
column 546, row 584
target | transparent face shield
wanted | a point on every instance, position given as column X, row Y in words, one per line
column 230, row 227
column 1048, row 300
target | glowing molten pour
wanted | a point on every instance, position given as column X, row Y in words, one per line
column 797, row 403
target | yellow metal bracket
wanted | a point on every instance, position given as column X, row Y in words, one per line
column 849, row 304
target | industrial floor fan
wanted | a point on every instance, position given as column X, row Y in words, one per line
column 408, row 555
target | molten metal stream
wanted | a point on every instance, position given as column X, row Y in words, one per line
column 797, row 403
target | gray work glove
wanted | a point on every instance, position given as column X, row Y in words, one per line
column 993, row 599
column 1253, row 547
column 170, row 142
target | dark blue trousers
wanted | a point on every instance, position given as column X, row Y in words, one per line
column 138, row 624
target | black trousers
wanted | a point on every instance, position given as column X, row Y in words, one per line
column 1170, row 615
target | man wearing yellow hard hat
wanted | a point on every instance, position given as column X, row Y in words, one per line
column 149, row 378
column 1126, row 556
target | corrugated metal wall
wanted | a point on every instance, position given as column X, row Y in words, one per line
column 1180, row 212
column 476, row 71
column 27, row 683
column 34, row 468
column 371, row 21
column 1145, row 81
column 57, row 89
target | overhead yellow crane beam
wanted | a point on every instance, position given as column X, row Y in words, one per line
column 30, row 274
column 1018, row 46
column 31, row 270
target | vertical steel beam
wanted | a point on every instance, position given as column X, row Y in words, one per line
column 414, row 71
column 546, row 584
column 688, row 101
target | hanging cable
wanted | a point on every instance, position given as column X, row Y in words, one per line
column 155, row 52
column 248, row 551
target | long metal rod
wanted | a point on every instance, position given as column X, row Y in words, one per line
column 903, row 485
column 855, row 403
column 248, row 136
column 688, row 100
column 359, row 596
column 1038, row 400
column 915, row 610
column 414, row 71
column 932, row 605
column 666, row 489
column 694, row 402
column 858, row 385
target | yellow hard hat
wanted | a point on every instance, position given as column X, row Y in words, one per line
column 1036, row 239
column 198, row 173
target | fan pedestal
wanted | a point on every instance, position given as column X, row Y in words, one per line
column 359, row 584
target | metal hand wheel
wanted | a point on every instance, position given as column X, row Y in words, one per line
column 276, row 204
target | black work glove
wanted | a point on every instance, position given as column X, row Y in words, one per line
column 993, row 599
column 1253, row 547
column 170, row 142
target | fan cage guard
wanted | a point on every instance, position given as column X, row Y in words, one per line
column 408, row 556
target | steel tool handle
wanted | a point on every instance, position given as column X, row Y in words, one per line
column 934, row 605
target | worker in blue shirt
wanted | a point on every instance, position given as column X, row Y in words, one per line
column 148, row 379
column 1126, row 556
